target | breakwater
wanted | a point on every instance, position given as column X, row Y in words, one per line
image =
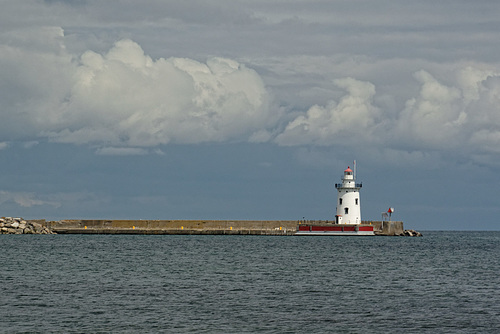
column 238, row 227
column 245, row 227
column 10, row 225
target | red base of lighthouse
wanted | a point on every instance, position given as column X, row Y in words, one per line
column 337, row 229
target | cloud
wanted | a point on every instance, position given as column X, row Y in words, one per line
column 121, row 151
column 353, row 119
column 35, row 76
column 30, row 144
column 434, row 116
column 25, row 199
column 66, row 2
column 126, row 98
column 126, row 102
column 461, row 116
column 3, row 145
column 464, row 117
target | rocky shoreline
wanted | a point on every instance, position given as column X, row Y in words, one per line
column 9, row 225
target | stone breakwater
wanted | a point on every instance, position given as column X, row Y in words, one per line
column 411, row 233
column 9, row 225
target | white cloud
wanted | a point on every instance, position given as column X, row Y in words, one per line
column 434, row 116
column 125, row 98
column 462, row 116
column 127, row 102
column 353, row 119
column 25, row 199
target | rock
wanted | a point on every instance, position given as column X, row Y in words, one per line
column 11, row 225
column 412, row 233
column 37, row 227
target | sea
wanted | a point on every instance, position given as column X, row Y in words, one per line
column 443, row 282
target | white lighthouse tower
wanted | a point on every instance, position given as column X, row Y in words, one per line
column 348, row 203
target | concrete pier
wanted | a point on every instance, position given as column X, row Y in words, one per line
column 248, row 227
column 236, row 227
column 389, row 228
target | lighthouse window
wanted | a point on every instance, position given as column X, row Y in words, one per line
column 346, row 211
column 356, row 201
column 340, row 201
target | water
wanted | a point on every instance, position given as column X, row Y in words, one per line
column 445, row 282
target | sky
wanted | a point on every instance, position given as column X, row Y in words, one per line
column 230, row 109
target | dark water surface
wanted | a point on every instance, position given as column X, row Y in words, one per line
column 445, row 282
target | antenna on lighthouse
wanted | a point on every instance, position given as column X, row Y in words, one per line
column 354, row 163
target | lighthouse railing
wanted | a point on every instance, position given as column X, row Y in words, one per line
column 339, row 185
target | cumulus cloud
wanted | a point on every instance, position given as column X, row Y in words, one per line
column 462, row 115
column 353, row 119
column 434, row 116
column 125, row 98
column 124, row 102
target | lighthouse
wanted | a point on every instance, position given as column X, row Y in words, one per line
column 348, row 203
